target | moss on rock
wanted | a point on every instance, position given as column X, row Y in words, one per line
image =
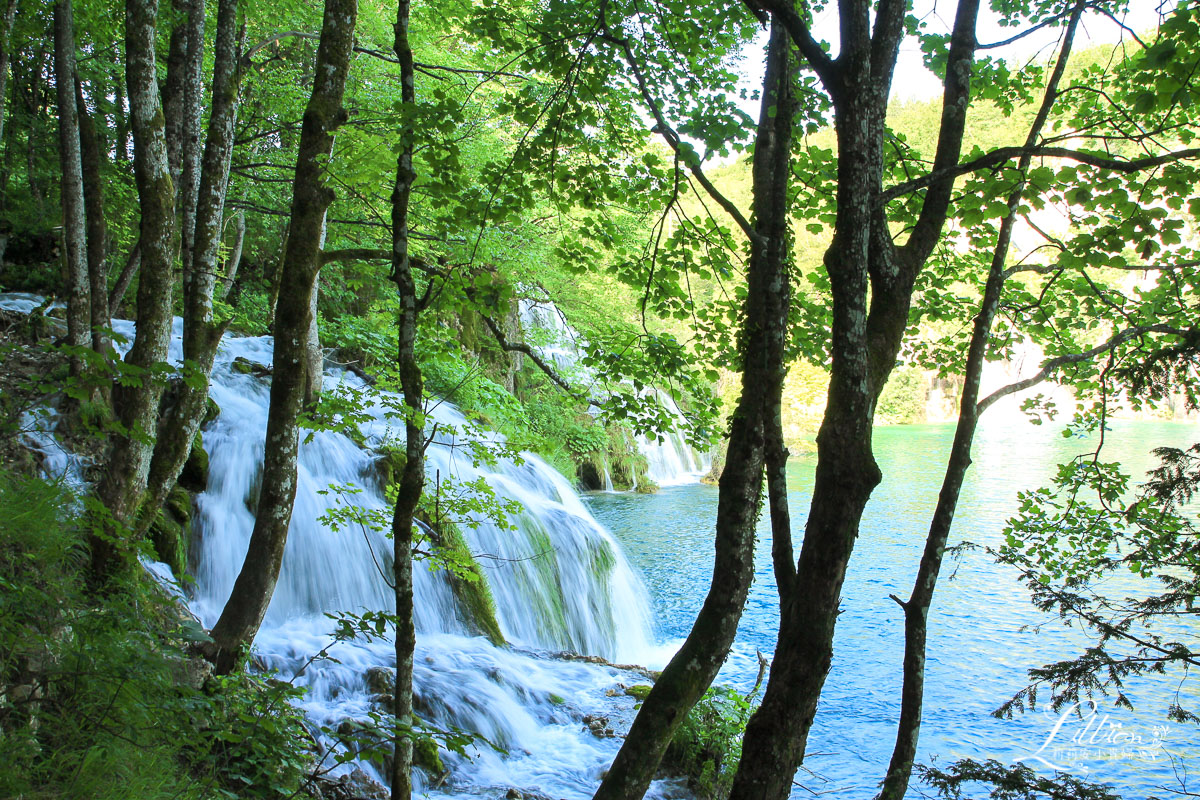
column 170, row 531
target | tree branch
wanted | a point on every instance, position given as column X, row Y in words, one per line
column 1049, row 366
column 672, row 137
column 1002, row 154
column 801, row 36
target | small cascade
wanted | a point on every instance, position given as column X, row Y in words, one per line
column 608, row 484
column 671, row 461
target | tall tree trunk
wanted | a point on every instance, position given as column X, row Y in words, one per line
column 243, row 612
column 412, row 481
column 191, row 147
column 79, row 315
column 916, row 609
column 35, row 114
column 6, row 27
column 871, row 280
column 97, row 230
column 201, row 334
column 136, row 404
column 121, row 119
column 762, row 343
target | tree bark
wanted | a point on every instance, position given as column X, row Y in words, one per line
column 74, row 236
column 871, row 281
column 92, row 161
column 6, row 27
column 133, row 261
column 201, row 333
column 412, row 481
column 235, row 255
column 244, row 611
column 136, row 404
column 916, row 609
column 762, row 344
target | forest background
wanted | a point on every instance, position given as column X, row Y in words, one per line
column 383, row 193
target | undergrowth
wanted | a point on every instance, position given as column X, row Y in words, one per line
column 99, row 697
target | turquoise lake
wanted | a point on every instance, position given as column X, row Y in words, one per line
column 984, row 634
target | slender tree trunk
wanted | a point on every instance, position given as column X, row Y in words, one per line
column 136, row 404
column 412, row 481
column 692, row 669
column 916, row 610
column 35, row 113
column 244, row 611
column 872, row 281
column 201, row 333
column 79, row 315
column 191, row 146
column 97, row 230
column 235, row 255
column 121, row 119
column 6, row 26
column 133, row 261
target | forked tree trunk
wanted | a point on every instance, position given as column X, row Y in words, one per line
column 916, row 609
column 136, row 404
column 872, row 282
column 79, row 315
column 762, row 342
column 412, row 481
column 243, row 612
column 201, row 333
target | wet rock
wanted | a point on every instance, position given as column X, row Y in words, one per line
column 513, row 794
column 194, row 476
column 380, row 680
column 247, row 367
column 639, row 691
column 355, row 786
column 598, row 726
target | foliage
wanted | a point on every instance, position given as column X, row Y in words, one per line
column 1123, row 565
column 708, row 745
column 1017, row 782
column 104, row 701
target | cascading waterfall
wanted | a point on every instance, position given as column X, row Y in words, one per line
column 559, row 580
column 671, row 461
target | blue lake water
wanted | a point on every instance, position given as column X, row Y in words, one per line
column 983, row 636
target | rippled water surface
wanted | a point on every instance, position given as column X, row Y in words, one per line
column 980, row 642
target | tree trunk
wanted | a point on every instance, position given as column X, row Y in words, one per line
column 201, row 334
column 916, row 610
column 244, row 611
column 97, row 230
column 871, row 281
column 136, row 404
column 412, row 481
column 133, row 261
column 79, row 315
column 235, row 255
column 762, row 344
column 190, row 151
column 6, row 26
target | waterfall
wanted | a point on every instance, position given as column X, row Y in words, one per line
column 671, row 461
column 559, row 581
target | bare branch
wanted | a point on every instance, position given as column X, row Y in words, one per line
column 1053, row 364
